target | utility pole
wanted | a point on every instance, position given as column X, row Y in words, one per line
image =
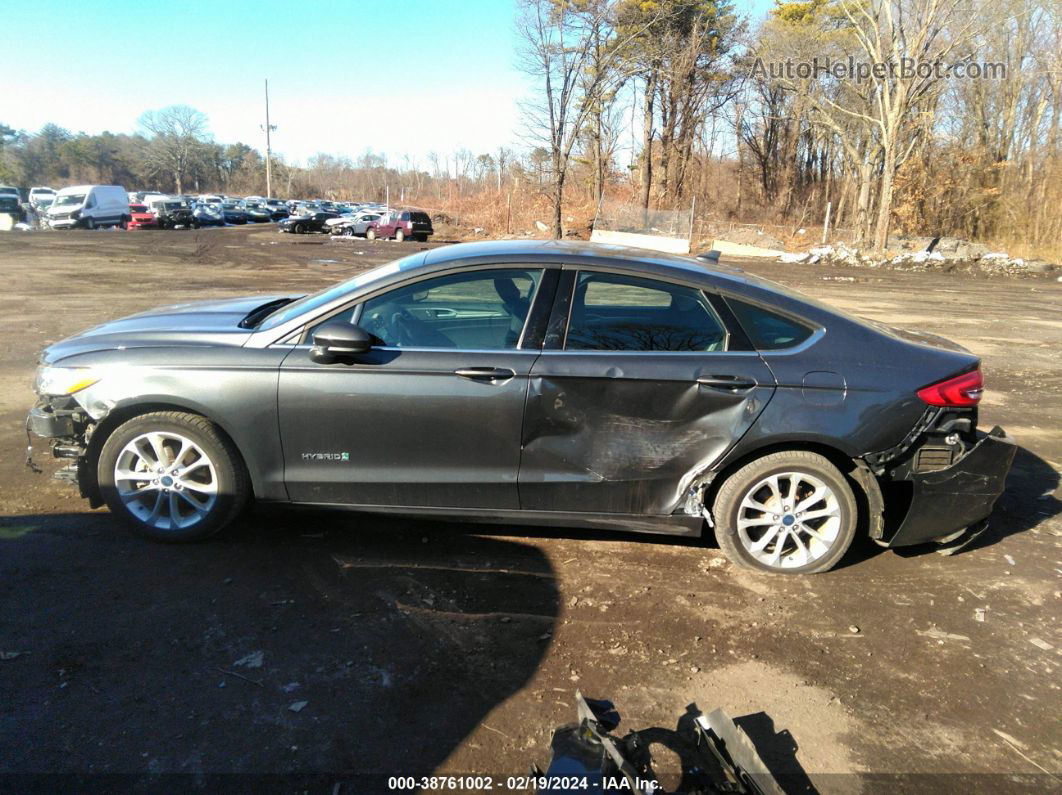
column 269, row 151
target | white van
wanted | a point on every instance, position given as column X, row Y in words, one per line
column 89, row 206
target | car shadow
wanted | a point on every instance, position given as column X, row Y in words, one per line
column 286, row 648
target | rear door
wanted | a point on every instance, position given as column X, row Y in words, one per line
column 640, row 387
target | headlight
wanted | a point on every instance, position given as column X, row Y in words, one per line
column 65, row 380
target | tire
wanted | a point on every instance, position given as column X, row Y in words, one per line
column 348, row 231
column 370, row 234
column 175, row 506
column 298, row 229
column 124, row 223
column 90, row 223
column 781, row 542
column 421, row 238
column 400, row 235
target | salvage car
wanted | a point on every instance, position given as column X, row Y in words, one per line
column 207, row 215
column 549, row 382
column 233, row 213
column 140, row 217
column 257, row 212
column 171, row 212
column 352, row 225
column 401, row 224
column 302, row 224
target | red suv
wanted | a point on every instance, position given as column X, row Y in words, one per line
column 401, row 224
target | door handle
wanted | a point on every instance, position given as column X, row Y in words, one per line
column 485, row 373
column 733, row 383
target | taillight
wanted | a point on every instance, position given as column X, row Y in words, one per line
column 962, row 390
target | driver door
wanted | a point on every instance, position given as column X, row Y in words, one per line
column 431, row 416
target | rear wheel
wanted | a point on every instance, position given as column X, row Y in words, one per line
column 400, row 235
column 172, row 476
column 789, row 512
column 421, row 238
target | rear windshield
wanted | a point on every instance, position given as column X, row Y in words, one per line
column 8, row 203
column 420, row 217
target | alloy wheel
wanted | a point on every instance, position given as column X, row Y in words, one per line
column 166, row 480
column 788, row 520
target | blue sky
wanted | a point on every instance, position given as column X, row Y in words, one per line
column 400, row 77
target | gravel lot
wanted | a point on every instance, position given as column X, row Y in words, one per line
column 423, row 647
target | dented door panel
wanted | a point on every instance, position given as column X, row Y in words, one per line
column 628, row 432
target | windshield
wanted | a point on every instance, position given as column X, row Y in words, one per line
column 70, row 199
column 137, row 208
column 311, row 302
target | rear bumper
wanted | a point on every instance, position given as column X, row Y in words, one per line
column 962, row 495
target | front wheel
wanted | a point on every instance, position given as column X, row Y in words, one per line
column 370, row 234
column 90, row 223
column 172, row 476
column 348, row 232
column 299, row 229
column 790, row 512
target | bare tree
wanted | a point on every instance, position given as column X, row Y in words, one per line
column 178, row 136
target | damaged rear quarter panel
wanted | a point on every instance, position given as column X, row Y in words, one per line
column 627, row 432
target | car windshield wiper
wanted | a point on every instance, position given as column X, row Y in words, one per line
column 257, row 315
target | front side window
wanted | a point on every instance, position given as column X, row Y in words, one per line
column 624, row 313
column 481, row 310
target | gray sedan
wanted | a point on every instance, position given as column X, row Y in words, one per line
column 535, row 382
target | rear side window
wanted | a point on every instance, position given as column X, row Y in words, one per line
column 623, row 313
column 768, row 331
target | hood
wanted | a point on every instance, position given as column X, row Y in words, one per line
column 55, row 209
column 198, row 323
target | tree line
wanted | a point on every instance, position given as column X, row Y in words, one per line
column 914, row 149
column 660, row 103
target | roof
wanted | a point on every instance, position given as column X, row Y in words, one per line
column 602, row 253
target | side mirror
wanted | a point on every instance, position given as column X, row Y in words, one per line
column 335, row 341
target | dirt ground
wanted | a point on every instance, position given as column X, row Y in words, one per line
column 421, row 647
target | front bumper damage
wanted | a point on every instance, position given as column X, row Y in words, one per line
column 69, row 428
column 949, row 490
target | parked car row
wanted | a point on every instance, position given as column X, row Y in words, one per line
column 95, row 206
column 368, row 221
